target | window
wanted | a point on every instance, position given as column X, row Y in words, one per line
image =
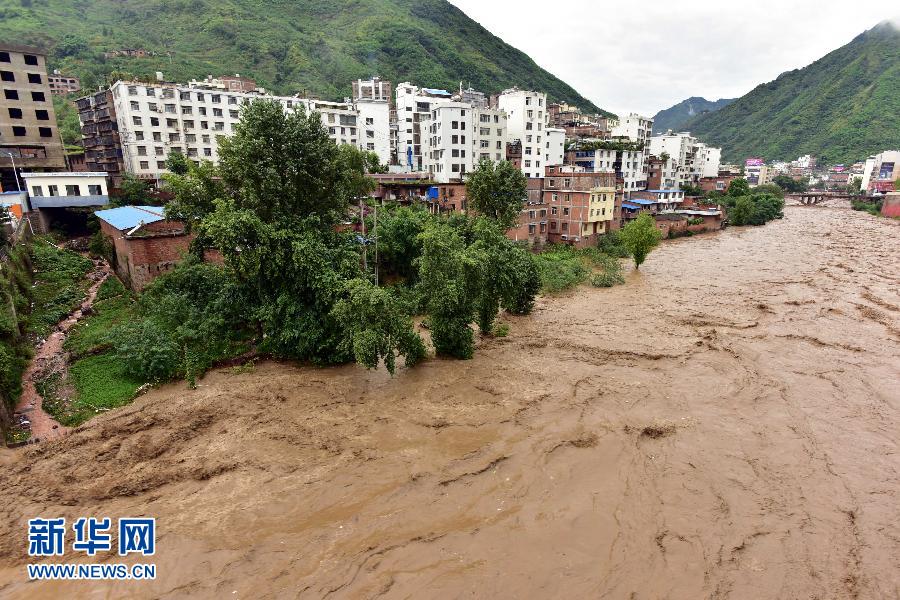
column 134, row 105
column 15, row 113
column 217, row 99
column 11, row 94
column 157, row 136
column 31, row 59
column 160, row 151
column 172, row 123
column 52, row 190
column 42, row 115
column 45, row 131
column 233, row 100
column 188, row 124
column 145, row 164
column 38, row 97
column 207, row 152
column 205, row 139
column 370, row 146
column 73, row 190
column 174, row 137
column 154, row 121
column 19, row 131
column 160, row 164
column 34, row 78
column 190, row 137
column 203, row 111
column 7, row 76
column 187, row 110
column 136, row 120
column 217, row 112
column 142, row 150
column 170, row 108
column 151, row 92
column 36, row 190
column 4, row 57
column 565, row 211
column 233, row 114
column 94, row 190
column 139, row 135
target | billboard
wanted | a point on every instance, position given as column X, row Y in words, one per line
column 754, row 162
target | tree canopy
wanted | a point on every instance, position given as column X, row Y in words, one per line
column 497, row 191
column 640, row 237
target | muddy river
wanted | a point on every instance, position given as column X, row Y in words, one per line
column 724, row 425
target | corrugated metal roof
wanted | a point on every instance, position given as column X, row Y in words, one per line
column 641, row 201
column 629, row 205
column 127, row 217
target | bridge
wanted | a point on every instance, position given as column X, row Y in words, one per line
column 809, row 198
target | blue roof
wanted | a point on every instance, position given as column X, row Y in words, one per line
column 629, row 205
column 641, row 201
column 128, row 217
column 661, row 191
column 436, row 92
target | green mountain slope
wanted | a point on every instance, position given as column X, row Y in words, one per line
column 314, row 46
column 675, row 117
column 841, row 108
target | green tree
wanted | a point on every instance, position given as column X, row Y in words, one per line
column 378, row 328
column 497, row 191
column 640, row 237
column 194, row 193
column 132, row 191
column 449, row 278
column 791, row 185
column 399, row 244
column 738, row 187
column 282, row 166
column 177, row 163
column 742, row 212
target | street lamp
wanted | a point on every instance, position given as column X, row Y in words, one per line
column 16, row 173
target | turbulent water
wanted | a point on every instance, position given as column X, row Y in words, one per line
column 724, row 425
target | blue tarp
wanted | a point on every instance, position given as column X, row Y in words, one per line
column 629, row 205
column 641, row 201
column 433, row 193
column 128, row 217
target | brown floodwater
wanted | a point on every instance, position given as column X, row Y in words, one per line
column 724, row 425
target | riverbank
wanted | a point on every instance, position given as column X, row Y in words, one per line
column 722, row 424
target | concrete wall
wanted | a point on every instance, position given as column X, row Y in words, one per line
column 890, row 207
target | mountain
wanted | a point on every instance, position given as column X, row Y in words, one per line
column 676, row 116
column 841, row 108
column 312, row 46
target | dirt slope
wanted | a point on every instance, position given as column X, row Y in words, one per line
column 725, row 425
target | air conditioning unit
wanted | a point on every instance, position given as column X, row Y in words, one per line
column 564, row 237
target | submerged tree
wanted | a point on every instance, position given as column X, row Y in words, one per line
column 640, row 237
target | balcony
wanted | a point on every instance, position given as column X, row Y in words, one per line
column 67, row 201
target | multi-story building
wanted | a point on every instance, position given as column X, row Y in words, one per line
column 100, row 135
column 155, row 119
column 414, row 105
column 756, row 172
column 532, row 225
column 583, row 204
column 458, row 136
column 63, row 84
column 29, row 138
column 526, row 119
column 621, row 158
column 372, row 99
column 375, row 89
column 554, row 146
column 693, row 159
column 884, row 172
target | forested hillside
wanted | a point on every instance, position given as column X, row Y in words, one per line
column 841, row 108
column 313, row 46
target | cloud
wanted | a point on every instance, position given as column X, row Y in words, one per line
column 646, row 56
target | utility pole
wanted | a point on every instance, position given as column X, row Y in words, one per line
column 362, row 219
column 375, row 229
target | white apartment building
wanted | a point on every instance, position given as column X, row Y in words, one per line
column 458, row 136
column 693, row 159
column 554, row 146
column 155, row 119
column 375, row 128
column 414, row 105
column 634, row 127
column 526, row 117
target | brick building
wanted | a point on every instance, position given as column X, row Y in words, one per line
column 61, row 84
column 719, row 183
column 583, row 204
column 533, row 224
column 145, row 244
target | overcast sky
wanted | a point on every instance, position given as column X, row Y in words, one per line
column 646, row 55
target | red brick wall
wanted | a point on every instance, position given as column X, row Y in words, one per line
column 139, row 260
column 890, row 207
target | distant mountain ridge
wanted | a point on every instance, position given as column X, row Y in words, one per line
column 675, row 117
column 288, row 46
column 841, row 108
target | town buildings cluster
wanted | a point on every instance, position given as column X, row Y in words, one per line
column 588, row 174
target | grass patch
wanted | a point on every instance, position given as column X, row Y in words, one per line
column 90, row 335
column 563, row 267
column 59, row 285
column 100, row 383
column 610, row 272
column 110, row 288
